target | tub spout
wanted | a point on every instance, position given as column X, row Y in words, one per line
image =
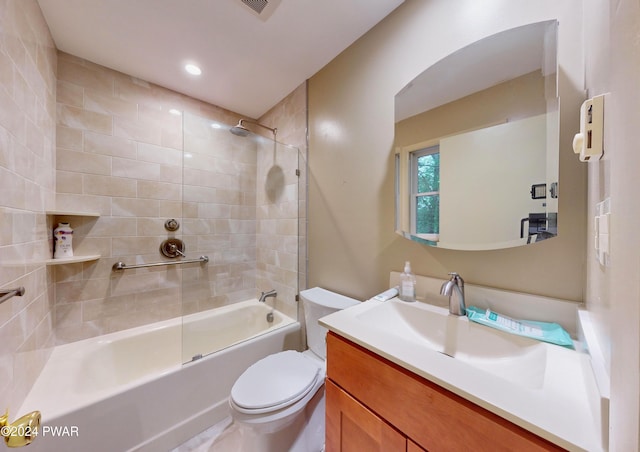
column 270, row 294
column 22, row 431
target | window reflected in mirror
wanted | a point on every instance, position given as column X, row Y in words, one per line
column 474, row 134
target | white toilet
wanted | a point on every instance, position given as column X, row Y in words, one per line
column 277, row 404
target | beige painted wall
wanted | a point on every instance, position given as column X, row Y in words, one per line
column 352, row 244
column 613, row 292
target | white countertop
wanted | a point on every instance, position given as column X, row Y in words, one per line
column 563, row 408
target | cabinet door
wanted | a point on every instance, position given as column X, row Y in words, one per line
column 351, row 427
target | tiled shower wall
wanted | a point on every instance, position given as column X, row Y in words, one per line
column 27, row 175
column 119, row 153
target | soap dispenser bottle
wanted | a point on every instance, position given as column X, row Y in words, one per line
column 407, row 284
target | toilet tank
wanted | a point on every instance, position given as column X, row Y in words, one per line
column 317, row 303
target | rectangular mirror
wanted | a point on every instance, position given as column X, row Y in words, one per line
column 477, row 140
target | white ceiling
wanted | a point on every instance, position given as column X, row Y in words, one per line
column 249, row 63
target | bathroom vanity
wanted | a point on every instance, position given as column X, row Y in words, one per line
column 374, row 404
column 410, row 376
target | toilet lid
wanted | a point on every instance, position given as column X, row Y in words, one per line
column 275, row 381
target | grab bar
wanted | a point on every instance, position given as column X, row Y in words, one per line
column 6, row 294
column 119, row 266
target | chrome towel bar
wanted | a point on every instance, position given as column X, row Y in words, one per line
column 119, row 266
column 6, row 294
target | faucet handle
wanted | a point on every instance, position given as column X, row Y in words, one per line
column 456, row 277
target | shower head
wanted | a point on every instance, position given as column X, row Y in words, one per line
column 241, row 131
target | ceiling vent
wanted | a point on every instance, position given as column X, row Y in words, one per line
column 261, row 8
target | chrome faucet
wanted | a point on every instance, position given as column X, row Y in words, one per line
column 264, row 295
column 454, row 289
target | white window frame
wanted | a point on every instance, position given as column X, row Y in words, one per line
column 413, row 181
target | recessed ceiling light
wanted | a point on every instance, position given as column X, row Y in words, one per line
column 175, row 111
column 215, row 125
column 193, row 69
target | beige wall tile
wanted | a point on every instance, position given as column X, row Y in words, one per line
column 82, row 119
column 171, row 138
column 159, row 154
column 97, row 143
column 113, row 227
column 145, row 131
column 12, row 188
column 134, row 169
column 70, row 94
column 6, row 73
column 81, row 162
column 7, row 151
column 128, row 284
column 78, row 291
column 175, row 209
column 99, row 102
column 202, row 195
column 159, row 190
column 108, row 185
column 132, row 207
column 67, row 182
column 83, row 203
column 15, row 124
column 77, row 73
column 171, row 174
column 150, row 227
column 68, row 138
column 135, row 90
column 109, row 307
column 68, row 315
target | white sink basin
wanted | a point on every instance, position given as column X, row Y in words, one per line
column 514, row 358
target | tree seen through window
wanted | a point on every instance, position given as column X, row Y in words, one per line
column 427, row 191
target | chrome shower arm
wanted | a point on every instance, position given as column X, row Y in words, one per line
column 241, row 127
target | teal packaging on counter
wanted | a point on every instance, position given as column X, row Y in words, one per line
column 542, row 331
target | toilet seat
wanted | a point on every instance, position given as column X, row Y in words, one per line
column 275, row 382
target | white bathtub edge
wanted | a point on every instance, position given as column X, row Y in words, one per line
column 165, row 412
column 185, row 430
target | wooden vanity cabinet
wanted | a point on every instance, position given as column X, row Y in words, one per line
column 373, row 404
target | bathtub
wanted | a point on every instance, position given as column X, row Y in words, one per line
column 130, row 391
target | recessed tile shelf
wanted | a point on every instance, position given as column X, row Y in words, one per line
column 74, row 259
column 72, row 214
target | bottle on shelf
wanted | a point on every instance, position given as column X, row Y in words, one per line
column 62, row 241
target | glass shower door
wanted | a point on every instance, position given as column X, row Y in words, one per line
column 240, row 208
